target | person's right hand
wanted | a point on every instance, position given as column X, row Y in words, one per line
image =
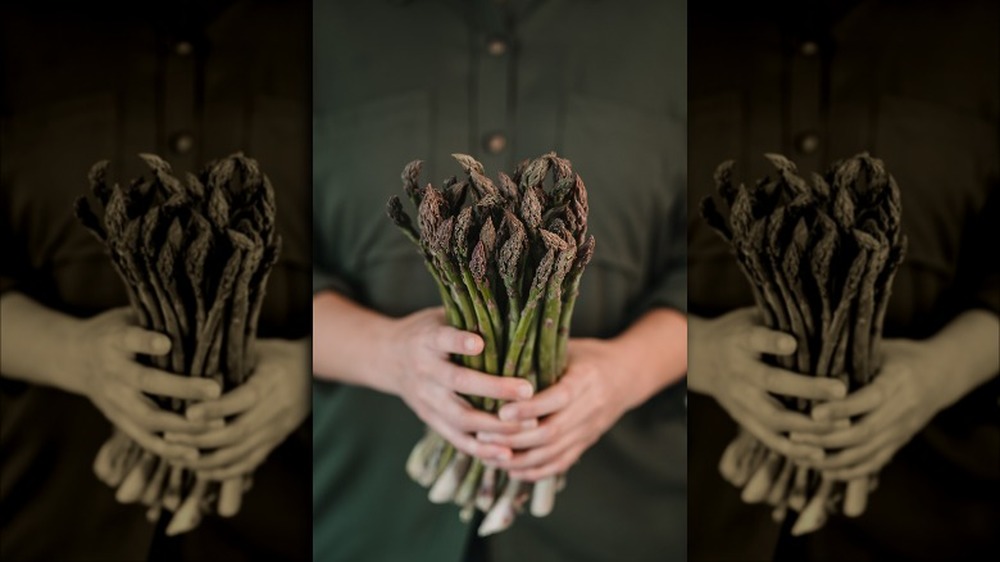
column 104, row 349
column 417, row 356
column 725, row 363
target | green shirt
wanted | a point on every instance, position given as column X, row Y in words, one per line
column 604, row 85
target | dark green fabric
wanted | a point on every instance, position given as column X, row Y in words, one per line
column 602, row 83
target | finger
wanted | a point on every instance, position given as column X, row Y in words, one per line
column 773, row 415
column 467, row 381
column 539, row 456
column 231, row 454
column 146, row 414
column 470, row 420
column 539, row 436
column 152, row 418
column 246, row 465
column 160, row 383
column 133, row 339
column 850, row 456
column 243, row 429
column 864, row 400
column 154, row 444
column 558, row 466
column 546, row 402
column 236, row 401
column 855, row 434
column 445, row 339
column 777, row 443
column 871, row 466
column 758, row 339
column 468, row 445
column 787, row 383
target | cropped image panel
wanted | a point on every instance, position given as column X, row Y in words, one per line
column 499, row 338
column 844, row 288
column 155, row 281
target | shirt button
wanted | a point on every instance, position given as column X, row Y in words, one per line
column 183, row 48
column 495, row 143
column 807, row 143
column 809, row 48
column 496, row 47
column 182, row 142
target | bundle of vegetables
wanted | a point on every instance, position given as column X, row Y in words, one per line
column 195, row 258
column 508, row 267
column 820, row 258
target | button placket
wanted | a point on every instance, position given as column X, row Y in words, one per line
column 805, row 109
column 492, row 103
column 179, row 99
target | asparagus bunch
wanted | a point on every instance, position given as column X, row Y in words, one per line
column 507, row 258
column 195, row 258
column 820, row 258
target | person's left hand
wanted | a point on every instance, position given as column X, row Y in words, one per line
column 895, row 406
column 577, row 411
column 268, row 407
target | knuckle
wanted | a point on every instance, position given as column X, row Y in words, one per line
column 546, row 432
column 158, row 447
column 778, row 445
column 451, row 375
column 768, row 377
column 463, row 419
column 141, row 378
column 241, row 431
column 424, row 395
column 438, row 338
column 865, row 431
column 422, row 364
column 470, row 447
column 574, row 388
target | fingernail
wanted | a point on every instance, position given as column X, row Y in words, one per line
column 821, row 414
column 195, row 414
column 507, row 413
column 525, row 391
column 529, row 424
column 190, row 455
column 484, row 437
column 167, row 436
column 161, row 344
column 837, row 390
column 787, row 344
column 471, row 344
column 795, row 436
column 212, row 391
column 503, row 456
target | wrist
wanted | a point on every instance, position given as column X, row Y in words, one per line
column 70, row 369
column 698, row 377
column 636, row 379
column 75, row 376
column 946, row 381
column 387, row 363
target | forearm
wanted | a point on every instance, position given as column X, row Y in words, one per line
column 36, row 343
column 347, row 342
column 965, row 353
column 654, row 353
